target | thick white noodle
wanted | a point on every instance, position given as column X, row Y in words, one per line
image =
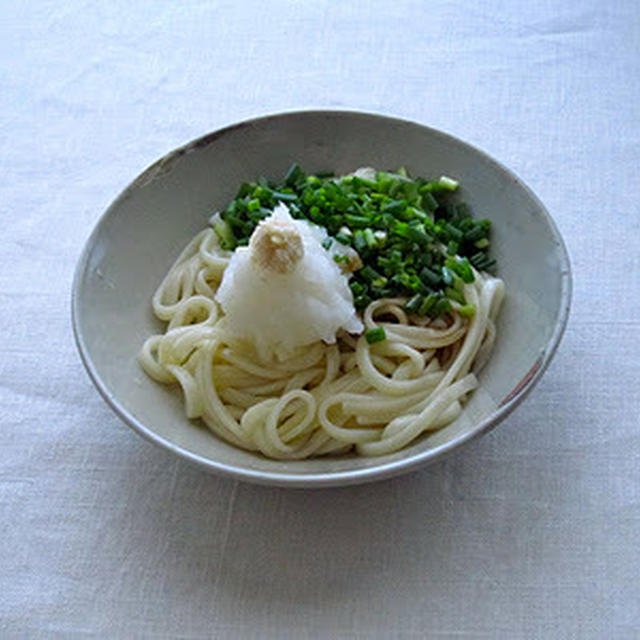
column 373, row 399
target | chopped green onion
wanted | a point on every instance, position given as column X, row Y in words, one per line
column 429, row 202
column 414, row 303
column 357, row 221
column 427, row 304
column 455, row 233
column 362, row 301
column 417, row 234
column 467, row 310
column 447, row 275
column 430, row 276
column 481, row 261
column 369, row 238
column 369, row 273
column 359, row 240
column 294, row 175
column 461, row 267
column 375, row 335
column 289, row 197
column 380, row 236
column 442, row 306
column 475, row 234
column 224, row 232
column 245, row 189
column 395, row 206
column 454, row 294
column 448, row 183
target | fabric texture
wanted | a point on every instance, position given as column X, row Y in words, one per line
column 530, row 532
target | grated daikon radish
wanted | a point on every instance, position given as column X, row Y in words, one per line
column 285, row 290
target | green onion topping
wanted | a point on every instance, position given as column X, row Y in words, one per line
column 375, row 335
column 414, row 237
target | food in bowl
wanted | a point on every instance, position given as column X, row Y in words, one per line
column 323, row 315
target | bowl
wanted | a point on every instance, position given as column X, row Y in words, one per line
column 143, row 231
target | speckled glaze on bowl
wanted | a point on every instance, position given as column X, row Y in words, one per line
column 142, row 232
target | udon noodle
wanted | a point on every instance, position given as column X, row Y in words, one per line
column 321, row 398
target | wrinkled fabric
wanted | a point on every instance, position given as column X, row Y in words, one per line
column 532, row 531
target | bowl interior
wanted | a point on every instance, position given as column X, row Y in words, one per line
column 140, row 235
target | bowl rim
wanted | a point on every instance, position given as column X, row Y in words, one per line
column 345, row 477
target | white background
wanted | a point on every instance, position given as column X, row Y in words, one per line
column 531, row 532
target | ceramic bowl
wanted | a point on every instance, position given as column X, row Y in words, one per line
column 141, row 233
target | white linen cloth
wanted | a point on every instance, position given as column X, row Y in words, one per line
column 530, row 532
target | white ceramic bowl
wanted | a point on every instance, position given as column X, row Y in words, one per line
column 142, row 232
